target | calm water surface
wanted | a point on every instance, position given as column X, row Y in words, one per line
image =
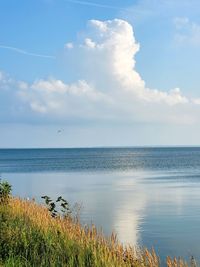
column 149, row 196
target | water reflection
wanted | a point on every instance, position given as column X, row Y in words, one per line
column 144, row 208
column 130, row 209
column 114, row 202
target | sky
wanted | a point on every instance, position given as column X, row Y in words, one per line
column 96, row 73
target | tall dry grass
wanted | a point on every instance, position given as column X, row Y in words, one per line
column 29, row 236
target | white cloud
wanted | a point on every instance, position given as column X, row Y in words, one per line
column 108, row 55
column 69, row 45
column 89, row 43
column 108, row 84
column 181, row 22
column 57, row 98
column 196, row 101
column 188, row 32
column 5, row 81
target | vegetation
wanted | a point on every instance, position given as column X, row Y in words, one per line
column 52, row 208
column 5, row 191
column 35, row 235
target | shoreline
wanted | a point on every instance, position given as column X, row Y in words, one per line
column 32, row 237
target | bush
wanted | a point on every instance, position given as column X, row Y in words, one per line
column 5, row 192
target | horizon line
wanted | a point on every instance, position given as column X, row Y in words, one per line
column 96, row 147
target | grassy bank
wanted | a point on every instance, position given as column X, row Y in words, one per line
column 30, row 236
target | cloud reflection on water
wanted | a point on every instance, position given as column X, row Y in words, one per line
column 142, row 207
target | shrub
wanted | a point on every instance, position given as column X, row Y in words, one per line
column 5, row 192
column 60, row 205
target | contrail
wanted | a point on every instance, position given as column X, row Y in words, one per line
column 86, row 3
column 24, row 52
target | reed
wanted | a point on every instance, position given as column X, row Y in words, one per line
column 30, row 236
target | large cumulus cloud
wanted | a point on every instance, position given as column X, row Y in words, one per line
column 107, row 57
column 108, row 85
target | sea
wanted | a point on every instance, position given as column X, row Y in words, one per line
column 150, row 197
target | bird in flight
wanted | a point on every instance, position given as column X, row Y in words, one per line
column 60, row 131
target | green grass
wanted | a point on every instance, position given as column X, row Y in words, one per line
column 30, row 236
column 24, row 243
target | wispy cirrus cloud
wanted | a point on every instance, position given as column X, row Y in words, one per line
column 24, row 52
column 94, row 4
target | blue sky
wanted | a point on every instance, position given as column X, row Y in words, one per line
column 99, row 73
